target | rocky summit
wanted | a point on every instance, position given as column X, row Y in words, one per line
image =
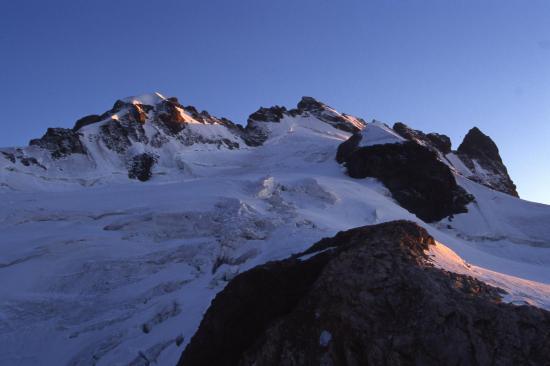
column 481, row 156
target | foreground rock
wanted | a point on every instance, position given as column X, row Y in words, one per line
column 368, row 296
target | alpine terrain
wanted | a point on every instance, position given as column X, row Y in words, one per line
column 155, row 233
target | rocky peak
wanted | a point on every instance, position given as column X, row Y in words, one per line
column 434, row 141
column 480, row 154
column 271, row 114
column 311, row 104
column 87, row 120
column 480, row 146
column 171, row 114
column 341, row 121
column 60, row 142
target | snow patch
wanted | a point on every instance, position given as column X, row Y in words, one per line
column 146, row 99
column 377, row 133
column 325, row 338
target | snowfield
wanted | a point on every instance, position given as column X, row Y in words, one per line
column 101, row 270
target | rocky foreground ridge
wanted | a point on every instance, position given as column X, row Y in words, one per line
column 368, row 296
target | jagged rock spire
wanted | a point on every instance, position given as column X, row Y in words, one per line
column 480, row 154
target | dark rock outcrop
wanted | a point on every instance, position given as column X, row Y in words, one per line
column 435, row 141
column 8, row 156
column 440, row 142
column 60, row 142
column 169, row 117
column 370, row 296
column 325, row 113
column 348, row 147
column 141, row 166
column 87, row 120
column 19, row 155
column 256, row 132
column 418, row 180
column 118, row 135
column 272, row 114
column 477, row 150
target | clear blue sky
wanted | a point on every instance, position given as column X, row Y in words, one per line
column 436, row 65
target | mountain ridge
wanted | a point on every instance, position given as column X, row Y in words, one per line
column 144, row 124
column 112, row 270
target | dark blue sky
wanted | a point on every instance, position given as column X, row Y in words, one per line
column 436, row 65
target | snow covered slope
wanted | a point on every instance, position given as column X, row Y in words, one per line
column 101, row 269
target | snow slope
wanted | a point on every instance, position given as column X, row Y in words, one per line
column 120, row 272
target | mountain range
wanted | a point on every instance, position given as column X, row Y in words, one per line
column 155, row 233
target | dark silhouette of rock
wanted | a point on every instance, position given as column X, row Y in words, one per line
column 29, row 160
column 480, row 154
column 438, row 142
column 8, row 156
column 87, row 120
column 417, row 179
column 272, row 114
column 169, row 117
column 348, row 147
column 256, row 132
column 325, row 113
column 141, row 167
column 60, row 142
column 368, row 296
column 118, row 135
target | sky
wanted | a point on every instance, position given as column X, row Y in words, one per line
column 437, row 65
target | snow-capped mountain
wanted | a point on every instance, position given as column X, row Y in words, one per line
column 117, row 233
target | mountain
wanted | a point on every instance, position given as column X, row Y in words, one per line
column 480, row 155
column 118, row 233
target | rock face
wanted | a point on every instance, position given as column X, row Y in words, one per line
column 413, row 173
column 435, row 141
column 256, row 133
column 327, row 114
column 368, row 296
column 60, row 142
column 272, row 114
column 141, row 166
column 480, row 154
column 85, row 121
column 348, row 147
